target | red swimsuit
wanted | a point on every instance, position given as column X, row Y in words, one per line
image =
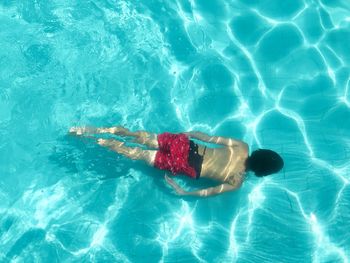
column 173, row 154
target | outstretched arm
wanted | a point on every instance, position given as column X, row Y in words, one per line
column 222, row 188
column 214, row 139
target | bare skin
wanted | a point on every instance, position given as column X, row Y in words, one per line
column 225, row 165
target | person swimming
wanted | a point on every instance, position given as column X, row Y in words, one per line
column 180, row 154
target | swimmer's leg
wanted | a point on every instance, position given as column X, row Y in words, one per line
column 142, row 137
column 145, row 138
column 134, row 153
column 94, row 130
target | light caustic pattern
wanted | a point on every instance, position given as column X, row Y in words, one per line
column 274, row 73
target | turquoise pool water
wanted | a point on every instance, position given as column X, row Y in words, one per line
column 273, row 73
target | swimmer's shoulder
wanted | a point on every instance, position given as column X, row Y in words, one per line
column 236, row 179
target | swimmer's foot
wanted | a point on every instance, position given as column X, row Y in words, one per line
column 77, row 130
column 89, row 130
column 103, row 142
column 119, row 130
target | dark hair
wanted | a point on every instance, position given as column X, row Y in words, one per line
column 264, row 162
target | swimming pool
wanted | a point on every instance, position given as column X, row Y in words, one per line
column 274, row 73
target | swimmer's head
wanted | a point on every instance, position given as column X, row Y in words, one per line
column 264, row 162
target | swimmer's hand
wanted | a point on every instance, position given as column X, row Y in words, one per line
column 174, row 185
